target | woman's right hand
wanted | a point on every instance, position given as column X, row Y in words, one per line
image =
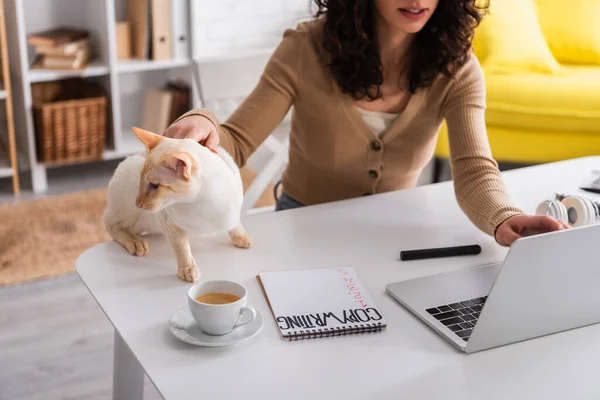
column 195, row 127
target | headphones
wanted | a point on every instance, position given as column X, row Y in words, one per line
column 572, row 210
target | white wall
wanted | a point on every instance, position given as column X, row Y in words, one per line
column 222, row 27
column 225, row 28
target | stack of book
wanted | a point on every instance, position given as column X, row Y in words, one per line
column 61, row 48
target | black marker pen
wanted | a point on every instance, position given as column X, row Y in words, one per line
column 454, row 251
column 591, row 189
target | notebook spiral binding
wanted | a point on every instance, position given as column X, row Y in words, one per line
column 327, row 332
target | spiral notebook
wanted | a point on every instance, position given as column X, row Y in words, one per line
column 318, row 303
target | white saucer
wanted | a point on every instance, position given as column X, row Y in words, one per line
column 183, row 326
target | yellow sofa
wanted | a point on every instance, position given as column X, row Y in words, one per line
column 542, row 105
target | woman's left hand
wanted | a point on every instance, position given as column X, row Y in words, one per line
column 526, row 225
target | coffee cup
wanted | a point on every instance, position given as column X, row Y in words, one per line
column 219, row 307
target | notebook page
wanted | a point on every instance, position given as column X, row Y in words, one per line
column 316, row 299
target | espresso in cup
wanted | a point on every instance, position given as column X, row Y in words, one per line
column 219, row 307
column 217, row 298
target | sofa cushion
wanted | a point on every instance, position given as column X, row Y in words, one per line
column 572, row 29
column 513, row 40
column 569, row 101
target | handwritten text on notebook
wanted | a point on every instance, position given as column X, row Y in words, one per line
column 353, row 289
column 313, row 320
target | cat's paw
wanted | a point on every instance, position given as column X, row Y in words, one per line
column 242, row 241
column 189, row 274
column 137, row 247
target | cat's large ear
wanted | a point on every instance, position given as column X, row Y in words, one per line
column 181, row 163
column 150, row 140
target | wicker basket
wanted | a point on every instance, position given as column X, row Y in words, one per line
column 70, row 118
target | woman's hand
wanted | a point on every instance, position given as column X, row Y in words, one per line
column 525, row 225
column 195, row 127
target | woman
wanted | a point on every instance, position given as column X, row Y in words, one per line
column 371, row 82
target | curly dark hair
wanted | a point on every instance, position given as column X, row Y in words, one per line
column 441, row 46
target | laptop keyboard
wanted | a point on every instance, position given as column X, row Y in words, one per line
column 459, row 317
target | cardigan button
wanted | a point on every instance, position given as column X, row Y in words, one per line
column 373, row 174
column 375, row 145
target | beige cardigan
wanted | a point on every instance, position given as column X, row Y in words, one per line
column 334, row 155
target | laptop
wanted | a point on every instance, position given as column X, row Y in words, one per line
column 546, row 284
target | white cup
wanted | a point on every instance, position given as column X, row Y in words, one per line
column 220, row 319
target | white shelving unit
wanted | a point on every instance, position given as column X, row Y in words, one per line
column 42, row 75
column 129, row 66
column 124, row 81
column 6, row 170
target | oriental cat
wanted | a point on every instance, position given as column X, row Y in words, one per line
column 179, row 188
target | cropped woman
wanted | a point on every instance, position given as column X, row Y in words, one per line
column 371, row 82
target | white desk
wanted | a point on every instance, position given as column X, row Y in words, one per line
column 408, row 360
